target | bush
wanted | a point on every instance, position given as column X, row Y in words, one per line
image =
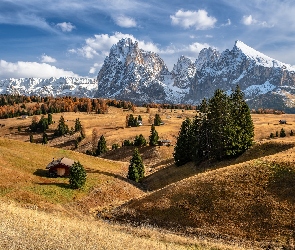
column 136, row 167
column 77, row 176
column 127, row 143
column 139, row 141
column 115, row 146
column 271, row 135
column 282, row 133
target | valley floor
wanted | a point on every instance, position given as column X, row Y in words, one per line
column 37, row 212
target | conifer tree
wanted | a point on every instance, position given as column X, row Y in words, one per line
column 49, row 118
column 77, row 176
column 223, row 128
column 220, row 125
column 101, row 146
column 183, row 148
column 78, row 126
column 243, row 124
column 31, row 138
column 45, row 138
column 157, row 120
column 43, row 124
column 136, row 167
column 154, row 137
column 62, row 128
column 139, row 141
column 34, row 124
column 282, row 133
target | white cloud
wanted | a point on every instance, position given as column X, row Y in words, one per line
column 65, row 27
column 228, row 23
column 248, row 20
column 25, row 19
column 31, row 69
column 47, row 59
column 94, row 69
column 125, row 22
column 198, row 19
column 100, row 45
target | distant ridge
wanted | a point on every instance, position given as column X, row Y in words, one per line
column 130, row 73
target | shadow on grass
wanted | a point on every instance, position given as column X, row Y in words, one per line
column 96, row 171
column 58, row 184
column 41, row 173
column 170, row 174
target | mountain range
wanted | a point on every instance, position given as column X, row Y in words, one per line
column 130, row 73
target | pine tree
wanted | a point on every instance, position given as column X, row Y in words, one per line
column 44, row 138
column 49, row 118
column 154, row 137
column 223, row 128
column 62, row 128
column 183, row 148
column 220, row 125
column 43, row 124
column 282, row 133
column 139, row 141
column 34, row 124
column 136, row 167
column 31, row 138
column 243, row 124
column 77, row 176
column 101, row 146
column 157, row 120
column 78, row 126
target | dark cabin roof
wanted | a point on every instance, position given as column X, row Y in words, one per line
column 65, row 161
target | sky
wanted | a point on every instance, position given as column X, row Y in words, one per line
column 56, row 38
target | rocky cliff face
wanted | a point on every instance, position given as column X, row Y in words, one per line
column 254, row 72
column 133, row 74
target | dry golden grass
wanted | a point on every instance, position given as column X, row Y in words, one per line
column 228, row 200
column 233, row 202
column 24, row 178
column 23, row 228
column 111, row 125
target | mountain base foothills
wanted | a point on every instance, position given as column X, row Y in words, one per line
column 243, row 203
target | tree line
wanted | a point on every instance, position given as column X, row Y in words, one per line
column 15, row 105
column 223, row 128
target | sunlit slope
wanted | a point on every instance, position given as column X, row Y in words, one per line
column 24, row 178
column 250, row 200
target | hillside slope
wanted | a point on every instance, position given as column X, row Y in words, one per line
column 24, row 179
column 253, row 200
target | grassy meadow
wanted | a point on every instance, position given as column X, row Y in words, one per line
column 243, row 203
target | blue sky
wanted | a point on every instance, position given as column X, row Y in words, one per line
column 72, row 37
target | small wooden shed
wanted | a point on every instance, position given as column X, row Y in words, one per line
column 164, row 142
column 60, row 167
column 282, row 121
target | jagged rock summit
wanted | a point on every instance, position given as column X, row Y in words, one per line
column 130, row 73
column 140, row 76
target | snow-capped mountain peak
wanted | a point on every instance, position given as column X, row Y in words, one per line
column 258, row 57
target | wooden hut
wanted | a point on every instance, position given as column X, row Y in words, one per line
column 60, row 167
column 164, row 142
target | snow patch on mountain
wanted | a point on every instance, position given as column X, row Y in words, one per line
column 72, row 86
column 259, row 89
column 260, row 58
